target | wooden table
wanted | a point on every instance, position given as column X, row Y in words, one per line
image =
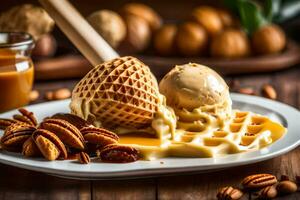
column 23, row 184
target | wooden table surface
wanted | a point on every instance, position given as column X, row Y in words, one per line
column 17, row 183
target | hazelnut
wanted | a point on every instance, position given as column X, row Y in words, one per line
column 286, row 187
column 268, row 192
column 145, row 12
column 230, row 43
column 59, row 94
column 138, row 34
column 268, row 39
column 109, row 25
column 164, row 39
column 269, row 91
column 49, row 95
column 62, row 93
column 247, row 90
column 226, row 18
column 45, row 46
column 209, row 18
column 191, row 39
column 34, row 95
column 27, row 18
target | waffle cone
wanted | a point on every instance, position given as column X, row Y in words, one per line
column 121, row 92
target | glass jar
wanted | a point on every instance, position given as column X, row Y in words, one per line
column 16, row 69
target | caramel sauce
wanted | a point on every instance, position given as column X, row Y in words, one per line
column 140, row 139
column 16, row 78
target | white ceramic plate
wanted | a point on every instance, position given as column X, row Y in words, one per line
column 282, row 113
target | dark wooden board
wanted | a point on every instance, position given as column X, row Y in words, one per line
column 76, row 66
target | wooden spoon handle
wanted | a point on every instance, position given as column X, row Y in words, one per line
column 79, row 31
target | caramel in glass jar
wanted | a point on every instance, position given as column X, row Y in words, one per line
column 16, row 74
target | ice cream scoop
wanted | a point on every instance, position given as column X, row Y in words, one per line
column 118, row 93
column 192, row 85
column 198, row 95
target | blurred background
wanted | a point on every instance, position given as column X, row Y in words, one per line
column 153, row 48
column 237, row 38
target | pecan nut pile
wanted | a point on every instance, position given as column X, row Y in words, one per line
column 60, row 137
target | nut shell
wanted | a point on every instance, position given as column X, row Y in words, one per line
column 268, row 192
column 209, row 18
column 286, row 187
column 45, row 46
column 28, row 117
column 268, row 39
column 145, row 12
column 83, row 158
column 67, row 133
column 49, row 144
column 229, row 193
column 27, row 18
column 191, row 39
column 30, row 149
column 138, row 34
column 99, row 136
column 119, row 154
column 16, row 134
column 4, row 123
column 226, row 18
column 269, row 91
column 73, row 119
column 230, row 43
column 109, row 25
column 259, row 181
column 164, row 40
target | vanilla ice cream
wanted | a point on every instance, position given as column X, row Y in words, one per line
column 197, row 94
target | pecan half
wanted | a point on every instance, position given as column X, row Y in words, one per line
column 229, row 193
column 269, row 91
column 268, row 192
column 73, row 119
column 15, row 135
column 258, row 181
column 83, row 158
column 4, row 123
column 99, row 136
column 26, row 117
column 119, row 154
column 69, row 134
column 30, row 149
column 286, row 187
column 49, row 144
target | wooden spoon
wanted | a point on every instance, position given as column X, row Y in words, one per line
column 79, row 31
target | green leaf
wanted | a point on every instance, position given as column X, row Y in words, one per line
column 271, row 8
column 251, row 16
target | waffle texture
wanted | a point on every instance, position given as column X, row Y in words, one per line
column 119, row 93
column 245, row 131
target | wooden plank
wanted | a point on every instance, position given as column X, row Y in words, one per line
column 124, row 189
column 17, row 183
